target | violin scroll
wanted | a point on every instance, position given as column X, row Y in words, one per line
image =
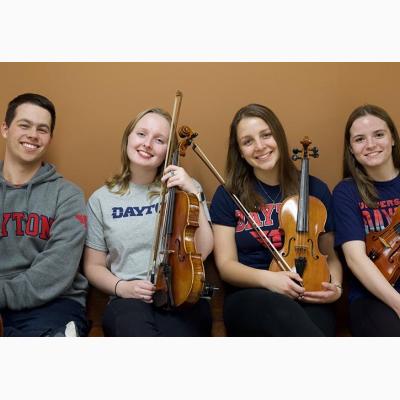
column 187, row 136
column 299, row 154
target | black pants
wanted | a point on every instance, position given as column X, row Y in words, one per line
column 371, row 317
column 260, row 312
column 45, row 320
column 132, row 317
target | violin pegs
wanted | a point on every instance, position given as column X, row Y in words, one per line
column 315, row 152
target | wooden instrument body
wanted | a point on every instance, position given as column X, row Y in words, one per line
column 383, row 248
column 303, row 218
column 304, row 245
column 186, row 264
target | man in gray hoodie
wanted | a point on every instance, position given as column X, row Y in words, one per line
column 42, row 230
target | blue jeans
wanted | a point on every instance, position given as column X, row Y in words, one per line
column 45, row 320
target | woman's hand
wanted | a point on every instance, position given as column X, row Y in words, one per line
column 284, row 282
column 331, row 293
column 177, row 176
column 137, row 289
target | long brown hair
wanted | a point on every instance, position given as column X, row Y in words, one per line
column 120, row 181
column 240, row 175
column 352, row 168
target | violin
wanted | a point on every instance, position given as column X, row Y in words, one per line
column 303, row 217
column 177, row 269
column 383, row 248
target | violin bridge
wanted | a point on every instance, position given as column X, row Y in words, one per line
column 384, row 242
column 301, row 247
column 167, row 252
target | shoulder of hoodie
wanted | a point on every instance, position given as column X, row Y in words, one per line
column 70, row 187
column 65, row 187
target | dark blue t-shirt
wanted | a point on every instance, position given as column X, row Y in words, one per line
column 249, row 248
column 354, row 219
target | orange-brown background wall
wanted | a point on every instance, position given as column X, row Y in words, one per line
column 95, row 102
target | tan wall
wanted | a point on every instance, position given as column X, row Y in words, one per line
column 95, row 101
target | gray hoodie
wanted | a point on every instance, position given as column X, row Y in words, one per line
column 42, row 233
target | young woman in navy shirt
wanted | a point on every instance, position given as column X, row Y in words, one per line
column 260, row 172
column 363, row 202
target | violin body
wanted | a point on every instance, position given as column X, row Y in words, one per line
column 300, row 249
column 180, row 281
column 303, row 218
column 187, row 266
column 383, row 248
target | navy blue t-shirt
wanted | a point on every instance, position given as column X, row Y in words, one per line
column 251, row 251
column 354, row 219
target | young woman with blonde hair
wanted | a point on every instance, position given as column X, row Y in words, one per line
column 121, row 227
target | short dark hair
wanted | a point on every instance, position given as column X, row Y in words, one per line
column 31, row 98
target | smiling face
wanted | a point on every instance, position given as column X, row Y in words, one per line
column 147, row 143
column 28, row 136
column 371, row 143
column 258, row 147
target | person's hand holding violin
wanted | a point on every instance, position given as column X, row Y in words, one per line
column 177, row 176
column 331, row 293
column 136, row 289
column 286, row 283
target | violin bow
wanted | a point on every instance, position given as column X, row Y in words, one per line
column 171, row 148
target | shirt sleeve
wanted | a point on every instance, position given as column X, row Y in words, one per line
column 95, row 237
column 348, row 218
column 222, row 208
column 203, row 203
column 320, row 190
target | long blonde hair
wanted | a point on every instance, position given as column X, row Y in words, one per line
column 119, row 183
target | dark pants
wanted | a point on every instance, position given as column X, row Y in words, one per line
column 45, row 320
column 260, row 312
column 132, row 317
column 371, row 317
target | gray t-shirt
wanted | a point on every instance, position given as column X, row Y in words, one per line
column 123, row 226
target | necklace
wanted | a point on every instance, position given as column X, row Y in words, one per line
column 273, row 200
